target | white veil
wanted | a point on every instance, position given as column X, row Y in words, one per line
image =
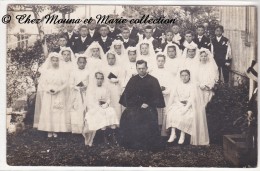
column 177, row 49
column 43, row 70
column 150, row 58
column 211, row 68
column 95, row 45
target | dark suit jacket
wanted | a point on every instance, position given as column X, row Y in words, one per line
column 105, row 45
column 133, row 34
column 157, row 34
column 220, row 50
column 72, row 40
column 205, row 42
column 95, row 36
column 82, row 46
column 130, row 42
column 115, row 34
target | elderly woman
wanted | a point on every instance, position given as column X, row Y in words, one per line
column 52, row 116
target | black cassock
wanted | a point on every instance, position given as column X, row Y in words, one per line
column 139, row 126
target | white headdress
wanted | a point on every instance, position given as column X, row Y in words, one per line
column 47, row 64
column 190, row 47
column 177, row 49
column 151, row 52
column 72, row 56
column 120, row 43
column 94, row 45
column 118, row 60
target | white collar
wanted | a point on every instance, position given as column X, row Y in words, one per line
column 92, row 31
column 125, row 40
column 143, row 76
column 200, row 37
column 83, row 38
column 151, row 39
column 218, row 38
column 70, row 33
column 104, row 38
column 111, row 29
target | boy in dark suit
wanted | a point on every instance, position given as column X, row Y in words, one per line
column 201, row 40
column 177, row 38
column 133, row 32
column 148, row 33
column 104, row 40
column 62, row 42
column 168, row 39
column 189, row 36
column 222, row 52
column 93, row 31
column 71, row 36
column 157, row 33
column 83, row 42
column 114, row 32
column 125, row 38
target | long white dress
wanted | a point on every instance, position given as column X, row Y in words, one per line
column 129, row 70
column 172, row 65
column 165, row 79
column 180, row 112
column 114, row 87
column 97, row 117
column 53, row 116
column 78, row 99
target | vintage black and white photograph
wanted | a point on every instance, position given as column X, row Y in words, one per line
column 131, row 85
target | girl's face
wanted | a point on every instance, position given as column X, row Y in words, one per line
column 66, row 56
column 132, row 56
column 171, row 52
column 82, row 63
column 111, row 59
column 95, row 52
column 160, row 62
column 203, row 57
column 144, row 49
column 62, row 42
column 185, row 77
column 118, row 49
column 188, row 37
column 191, row 53
column 55, row 62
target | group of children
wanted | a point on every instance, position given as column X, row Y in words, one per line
column 82, row 80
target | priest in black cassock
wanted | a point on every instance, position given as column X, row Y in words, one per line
column 139, row 121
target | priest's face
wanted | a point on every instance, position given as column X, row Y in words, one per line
column 100, row 79
column 144, row 49
column 111, row 59
column 118, row 49
column 82, row 62
column 171, row 52
column 141, row 69
column 160, row 62
column 203, row 57
column 66, row 56
column 191, row 53
column 185, row 77
column 132, row 56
